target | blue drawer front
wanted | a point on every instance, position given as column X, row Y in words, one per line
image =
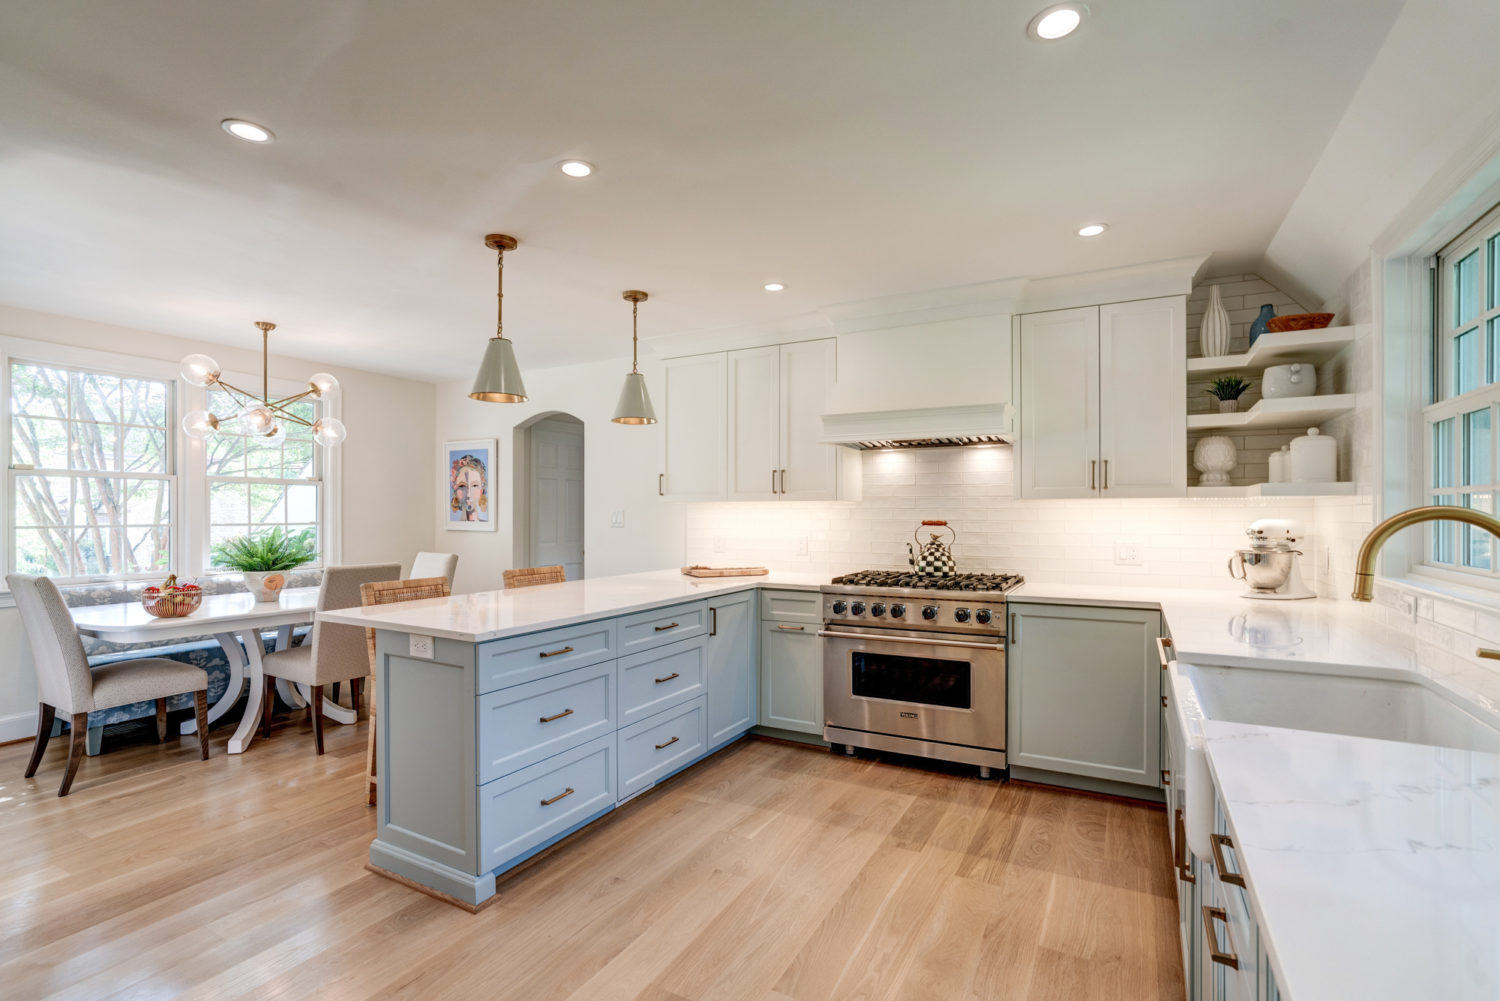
column 516, row 660
column 660, row 626
column 525, row 808
column 660, row 679
column 522, row 725
column 659, row 746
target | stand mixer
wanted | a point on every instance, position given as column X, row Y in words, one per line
column 1269, row 567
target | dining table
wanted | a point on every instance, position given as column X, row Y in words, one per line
column 238, row 622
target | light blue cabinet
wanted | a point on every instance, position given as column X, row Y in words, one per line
column 791, row 677
column 733, row 659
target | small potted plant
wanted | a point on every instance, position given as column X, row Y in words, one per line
column 1228, row 390
column 264, row 559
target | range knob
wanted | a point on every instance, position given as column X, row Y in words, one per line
column 878, row 608
column 982, row 616
column 929, row 611
column 960, row 615
column 898, row 610
column 840, row 607
column 858, row 608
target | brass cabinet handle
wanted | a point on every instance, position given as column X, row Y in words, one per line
column 549, row 719
column 1220, row 841
column 668, row 743
column 713, row 622
column 554, row 653
column 1166, row 776
column 1093, row 468
column 566, row 792
column 1487, row 653
column 660, row 483
column 793, row 629
column 1163, row 644
column 1184, row 869
column 1104, row 477
column 1164, row 702
column 1210, row 915
column 1015, row 634
column 674, row 674
column 773, row 481
column 669, row 625
column 783, row 481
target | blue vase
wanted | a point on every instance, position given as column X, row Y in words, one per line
column 1258, row 327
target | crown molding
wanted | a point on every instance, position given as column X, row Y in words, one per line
column 992, row 298
column 1091, row 288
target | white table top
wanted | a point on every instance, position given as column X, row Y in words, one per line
column 128, row 622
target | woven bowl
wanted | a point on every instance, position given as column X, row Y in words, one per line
column 171, row 606
column 1298, row 321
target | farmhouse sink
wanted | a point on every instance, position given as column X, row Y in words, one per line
column 1383, row 705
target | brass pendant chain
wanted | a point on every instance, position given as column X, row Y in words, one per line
column 635, row 308
column 499, row 291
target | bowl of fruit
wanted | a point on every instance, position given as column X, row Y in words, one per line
column 172, row 600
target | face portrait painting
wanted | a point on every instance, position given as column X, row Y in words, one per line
column 468, row 496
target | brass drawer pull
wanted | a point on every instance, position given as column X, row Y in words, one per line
column 1210, row 915
column 1184, row 869
column 669, row 625
column 793, row 629
column 668, row 743
column 1164, row 702
column 1220, row 841
column 1163, row 644
column 713, row 622
column 1166, row 776
column 549, row 719
column 566, row 792
column 674, row 674
column 554, row 653
column 1487, row 653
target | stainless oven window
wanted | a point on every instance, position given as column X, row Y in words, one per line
column 925, row 680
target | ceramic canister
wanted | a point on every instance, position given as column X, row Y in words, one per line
column 1280, row 381
column 1314, row 458
column 1278, row 465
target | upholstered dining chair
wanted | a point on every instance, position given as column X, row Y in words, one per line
column 434, row 565
column 65, row 682
column 331, row 652
column 386, row 592
column 532, row 576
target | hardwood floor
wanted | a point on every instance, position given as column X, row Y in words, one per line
column 770, row 873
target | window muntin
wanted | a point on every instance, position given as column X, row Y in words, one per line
column 91, row 478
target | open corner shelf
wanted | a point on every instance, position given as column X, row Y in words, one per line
column 1313, row 347
column 1279, row 490
column 1281, row 412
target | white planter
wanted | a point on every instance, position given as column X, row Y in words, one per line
column 1214, row 457
column 1213, row 335
column 266, row 585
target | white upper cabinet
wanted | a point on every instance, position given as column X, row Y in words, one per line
column 693, row 417
column 1142, row 397
column 1103, row 401
column 809, row 470
column 754, row 433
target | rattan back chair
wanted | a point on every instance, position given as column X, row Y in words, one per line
column 532, row 576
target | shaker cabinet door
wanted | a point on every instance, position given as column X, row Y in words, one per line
column 1060, row 403
column 693, row 466
column 1143, row 398
column 809, row 469
column 754, row 424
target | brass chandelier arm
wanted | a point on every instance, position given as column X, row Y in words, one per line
column 277, row 407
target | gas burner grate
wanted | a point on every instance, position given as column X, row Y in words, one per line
column 955, row 582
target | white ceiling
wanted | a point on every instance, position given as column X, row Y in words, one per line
column 850, row 148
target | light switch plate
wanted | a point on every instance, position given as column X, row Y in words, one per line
column 421, row 646
column 617, row 519
column 1128, row 554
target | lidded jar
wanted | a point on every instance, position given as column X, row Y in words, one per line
column 1314, row 458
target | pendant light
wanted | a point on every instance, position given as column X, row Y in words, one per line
column 499, row 378
column 635, row 403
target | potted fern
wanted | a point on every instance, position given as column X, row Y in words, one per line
column 1228, row 390
column 264, row 559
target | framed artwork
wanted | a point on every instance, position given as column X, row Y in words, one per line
column 469, row 485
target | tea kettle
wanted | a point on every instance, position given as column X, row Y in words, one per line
column 933, row 558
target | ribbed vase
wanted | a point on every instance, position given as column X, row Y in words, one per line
column 1213, row 336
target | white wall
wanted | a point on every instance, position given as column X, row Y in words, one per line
column 620, row 467
column 387, row 503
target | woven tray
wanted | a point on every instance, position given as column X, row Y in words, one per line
column 697, row 571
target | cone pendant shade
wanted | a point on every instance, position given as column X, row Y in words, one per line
column 635, row 403
column 499, row 378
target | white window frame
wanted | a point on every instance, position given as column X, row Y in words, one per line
column 1445, row 404
column 188, row 477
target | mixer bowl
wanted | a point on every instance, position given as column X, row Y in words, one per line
column 1263, row 569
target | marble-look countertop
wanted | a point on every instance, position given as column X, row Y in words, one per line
column 1373, row 866
column 488, row 615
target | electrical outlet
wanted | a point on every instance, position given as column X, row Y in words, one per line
column 617, row 519
column 421, row 646
column 718, row 543
column 1128, row 554
column 1408, row 603
column 801, row 545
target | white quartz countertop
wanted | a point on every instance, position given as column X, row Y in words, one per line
column 1373, row 866
column 488, row 615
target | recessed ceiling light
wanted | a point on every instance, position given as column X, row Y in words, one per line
column 576, row 168
column 248, row 131
column 1057, row 21
column 774, row 286
column 1092, row 229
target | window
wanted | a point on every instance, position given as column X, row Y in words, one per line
column 91, row 478
column 255, row 485
column 1461, row 467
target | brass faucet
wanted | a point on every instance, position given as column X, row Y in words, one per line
column 1364, row 564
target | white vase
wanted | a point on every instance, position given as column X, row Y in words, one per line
column 266, row 585
column 1213, row 335
column 1214, row 457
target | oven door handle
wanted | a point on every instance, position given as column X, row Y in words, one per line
column 908, row 640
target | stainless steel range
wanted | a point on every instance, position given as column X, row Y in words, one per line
column 916, row 664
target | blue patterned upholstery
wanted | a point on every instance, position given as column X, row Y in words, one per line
column 200, row 651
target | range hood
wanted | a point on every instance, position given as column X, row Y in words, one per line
column 929, row 427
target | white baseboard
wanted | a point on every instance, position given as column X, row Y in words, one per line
column 20, row 726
